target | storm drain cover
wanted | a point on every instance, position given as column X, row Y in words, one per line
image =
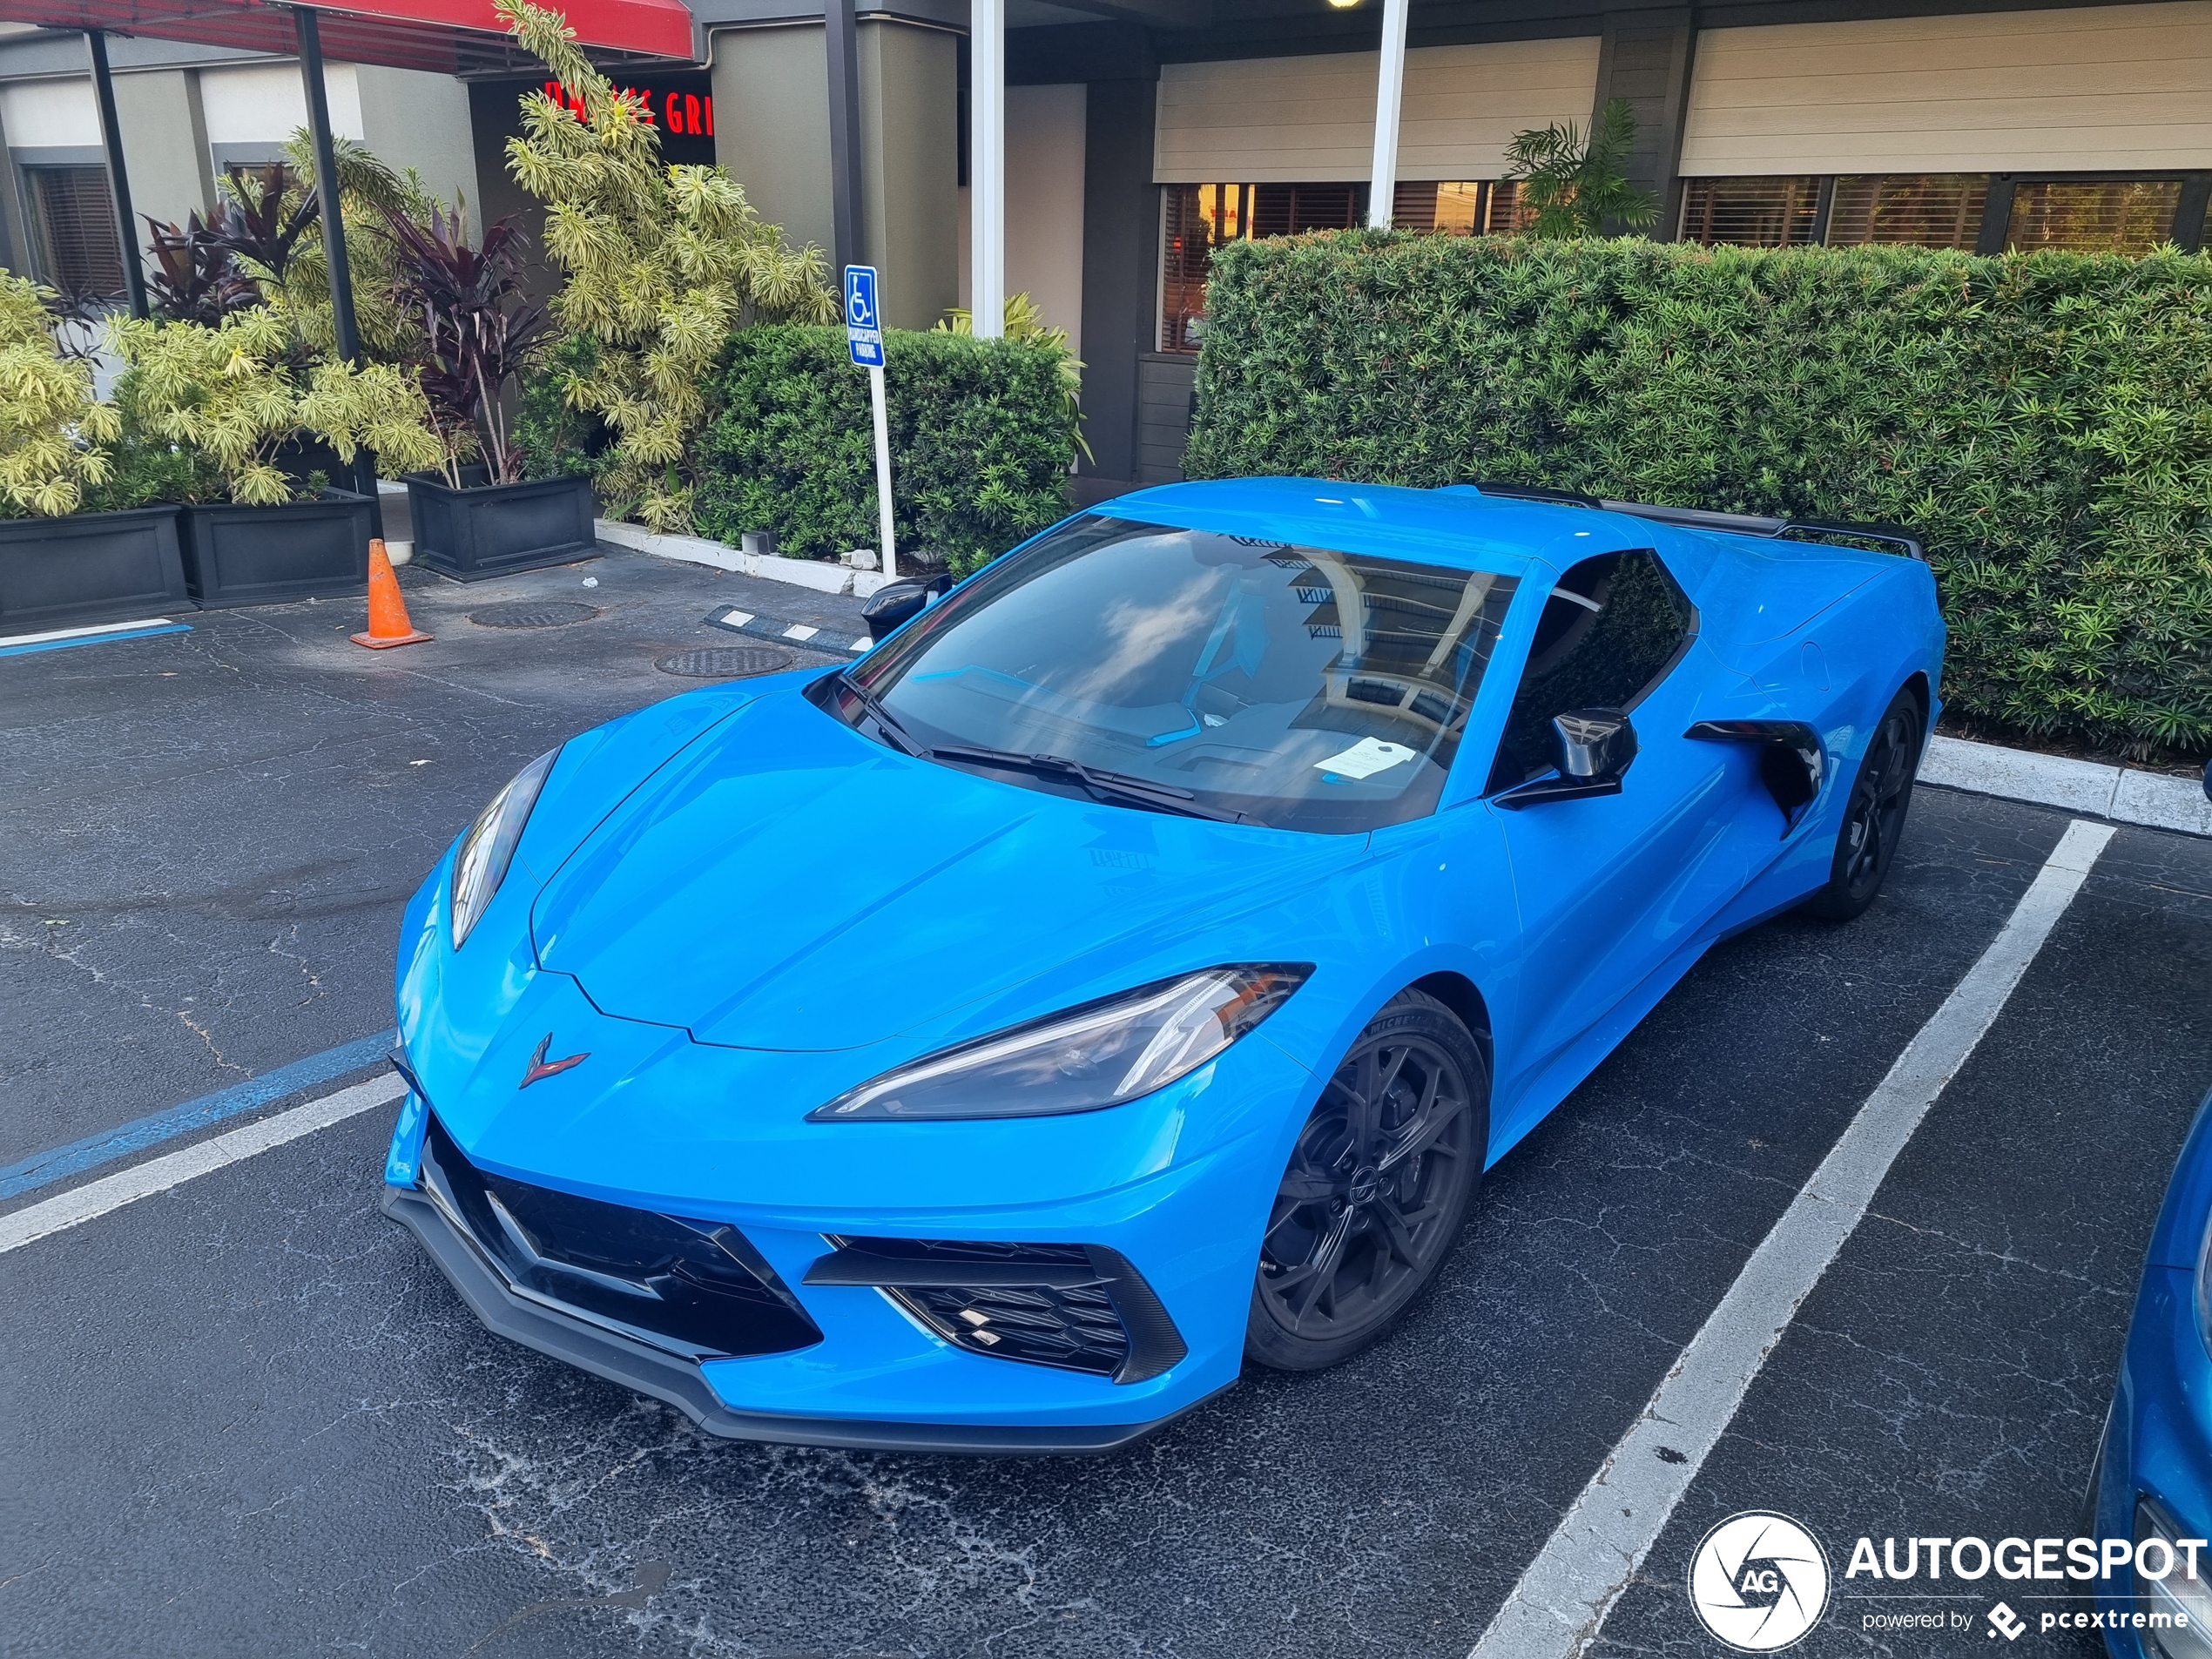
column 723, row 661
column 541, row 613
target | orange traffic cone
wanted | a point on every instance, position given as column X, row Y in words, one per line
column 388, row 623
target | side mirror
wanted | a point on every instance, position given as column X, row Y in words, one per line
column 897, row 604
column 1592, row 749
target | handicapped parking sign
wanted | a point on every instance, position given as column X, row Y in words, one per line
column 863, row 321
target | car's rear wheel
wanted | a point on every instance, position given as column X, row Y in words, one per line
column 1874, row 813
column 1378, row 1186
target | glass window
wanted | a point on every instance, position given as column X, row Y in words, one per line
column 1197, row 219
column 76, row 219
column 1751, row 212
column 1609, row 632
column 1927, row 209
column 1298, row 686
column 2115, row 216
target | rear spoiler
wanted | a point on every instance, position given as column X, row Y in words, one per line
column 1701, row 519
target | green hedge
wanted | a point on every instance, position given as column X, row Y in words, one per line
column 981, row 443
column 2045, row 419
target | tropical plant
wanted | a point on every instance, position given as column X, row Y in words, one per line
column 478, row 330
column 260, row 221
column 369, row 191
column 51, row 429
column 1024, row 319
column 660, row 264
column 271, row 223
column 980, row 444
column 198, row 280
column 1570, row 185
column 237, row 393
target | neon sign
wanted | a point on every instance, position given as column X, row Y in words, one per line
column 687, row 113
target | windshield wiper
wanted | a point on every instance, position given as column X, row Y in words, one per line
column 886, row 721
column 1105, row 786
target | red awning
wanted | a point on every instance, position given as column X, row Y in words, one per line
column 451, row 36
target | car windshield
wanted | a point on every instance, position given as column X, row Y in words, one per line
column 1290, row 686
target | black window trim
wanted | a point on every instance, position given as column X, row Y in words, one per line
column 1491, row 788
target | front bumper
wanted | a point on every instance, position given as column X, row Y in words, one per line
column 683, row 1383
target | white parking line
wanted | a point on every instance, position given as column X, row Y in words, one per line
column 1560, row 1604
column 96, row 1198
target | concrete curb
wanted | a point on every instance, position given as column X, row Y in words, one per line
column 2121, row 793
column 697, row 550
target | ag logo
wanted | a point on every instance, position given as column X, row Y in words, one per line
column 1759, row 1581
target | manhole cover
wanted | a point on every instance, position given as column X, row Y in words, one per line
column 543, row 613
column 723, row 661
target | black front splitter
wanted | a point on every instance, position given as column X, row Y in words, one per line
column 678, row 1382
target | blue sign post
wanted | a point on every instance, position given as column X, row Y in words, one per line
column 864, row 338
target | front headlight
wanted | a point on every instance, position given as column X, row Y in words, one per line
column 2177, row 1600
column 1101, row 1053
column 488, row 847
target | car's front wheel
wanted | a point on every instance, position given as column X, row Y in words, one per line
column 1378, row 1186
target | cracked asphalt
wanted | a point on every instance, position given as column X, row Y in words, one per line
column 247, row 1416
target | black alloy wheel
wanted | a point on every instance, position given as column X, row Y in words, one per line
column 1874, row 814
column 1378, row 1186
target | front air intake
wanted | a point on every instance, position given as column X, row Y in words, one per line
column 1075, row 1307
column 694, row 1288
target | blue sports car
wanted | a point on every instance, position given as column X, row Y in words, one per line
column 2150, row 1494
column 1127, row 969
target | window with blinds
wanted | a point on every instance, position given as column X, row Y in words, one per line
column 1751, row 212
column 76, row 219
column 1197, row 219
column 2114, row 216
column 1924, row 210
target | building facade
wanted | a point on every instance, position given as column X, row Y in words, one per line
column 1143, row 134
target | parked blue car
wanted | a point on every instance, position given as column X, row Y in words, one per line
column 2153, row 1478
column 1127, row 968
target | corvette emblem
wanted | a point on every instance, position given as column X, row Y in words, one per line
column 541, row 1067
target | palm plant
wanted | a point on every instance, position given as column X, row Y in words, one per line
column 1571, row 185
column 478, row 331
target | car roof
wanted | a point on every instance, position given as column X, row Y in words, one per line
column 1459, row 528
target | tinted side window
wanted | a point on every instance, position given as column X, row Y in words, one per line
column 1609, row 630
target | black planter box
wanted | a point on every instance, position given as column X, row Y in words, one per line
column 266, row 556
column 89, row 567
column 488, row 529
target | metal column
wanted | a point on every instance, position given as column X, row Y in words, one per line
column 986, row 168
column 1390, row 95
column 309, row 33
column 848, row 225
column 118, row 179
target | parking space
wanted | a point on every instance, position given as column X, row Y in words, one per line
column 249, row 1417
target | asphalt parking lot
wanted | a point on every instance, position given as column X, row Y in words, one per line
column 247, row 1416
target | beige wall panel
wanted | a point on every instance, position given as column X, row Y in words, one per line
column 50, row 114
column 412, row 119
column 267, row 102
column 772, row 125
column 2096, row 87
column 1285, row 119
column 910, row 167
column 164, row 146
column 1044, row 194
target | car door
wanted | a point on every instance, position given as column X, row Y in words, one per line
column 1611, row 887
